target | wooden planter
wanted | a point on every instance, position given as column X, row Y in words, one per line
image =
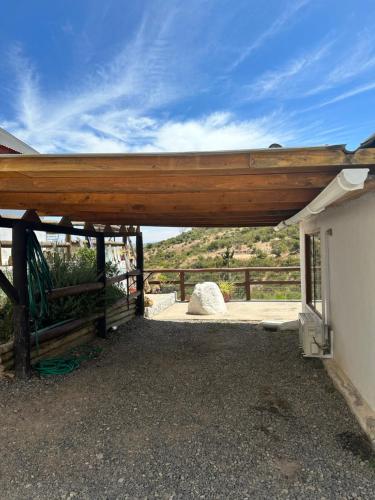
column 117, row 315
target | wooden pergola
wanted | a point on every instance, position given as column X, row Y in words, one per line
column 236, row 188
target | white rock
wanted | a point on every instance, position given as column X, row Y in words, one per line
column 207, row 299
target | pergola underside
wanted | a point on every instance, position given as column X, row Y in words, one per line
column 246, row 188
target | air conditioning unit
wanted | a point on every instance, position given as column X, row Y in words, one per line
column 312, row 337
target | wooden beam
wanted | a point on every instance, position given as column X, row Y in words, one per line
column 140, row 304
column 100, row 269
column 167, row 183
column 20, row 310
column 65, row 221
column 264, row 158
column 49, row 227
column 57, row 202
column 31, row 216
column 8, row 288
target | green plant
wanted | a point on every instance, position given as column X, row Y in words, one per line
column 227, row 256
column 80, row 268
column 227, row 288
column 77, row 270
column 6, row 323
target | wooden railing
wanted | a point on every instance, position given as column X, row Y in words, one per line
column 248, row 273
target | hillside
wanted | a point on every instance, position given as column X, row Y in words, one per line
column 208, row 247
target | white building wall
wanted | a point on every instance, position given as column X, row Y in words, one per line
column 6, row 235
column 348, row 269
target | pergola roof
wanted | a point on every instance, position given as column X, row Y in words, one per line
column 231, row 188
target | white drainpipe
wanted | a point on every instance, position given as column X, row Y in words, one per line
column 349, row 179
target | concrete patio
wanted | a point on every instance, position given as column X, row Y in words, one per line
column 254, row 311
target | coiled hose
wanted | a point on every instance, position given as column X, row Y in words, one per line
column 39, row 284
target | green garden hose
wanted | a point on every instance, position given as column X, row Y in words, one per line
column 39, row 284
column 66, row 364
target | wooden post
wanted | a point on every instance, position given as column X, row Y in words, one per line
column 100, row 269
column 182, row 286
column 247, row 285
column 68, row 239
column 20, row 310
column 140, row 305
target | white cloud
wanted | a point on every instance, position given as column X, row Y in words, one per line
column 276, row 27
column 219, row 131
column 102, row 117
column 285, row 79
column 314, row 73
column 350, row 93
column 136, row 81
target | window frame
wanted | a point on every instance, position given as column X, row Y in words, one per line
column 310, row 302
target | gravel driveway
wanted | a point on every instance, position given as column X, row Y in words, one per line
column 184, row 410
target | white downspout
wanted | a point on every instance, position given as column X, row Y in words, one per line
column 349, row 179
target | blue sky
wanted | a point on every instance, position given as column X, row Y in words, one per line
column 116, row 76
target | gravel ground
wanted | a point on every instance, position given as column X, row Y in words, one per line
column 184, row 410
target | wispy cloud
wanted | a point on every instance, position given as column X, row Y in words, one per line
column 135, row 81
column 126, row 103
column 282, row 80
column 27, row 99
column 349, row 93
column 279, row 24
column 313, row 73
column 117, row 108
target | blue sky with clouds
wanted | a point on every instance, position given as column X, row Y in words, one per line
column 116, row 76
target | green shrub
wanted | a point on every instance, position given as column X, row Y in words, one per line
column 81, row 268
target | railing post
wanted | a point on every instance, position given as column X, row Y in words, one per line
column 68, row 240
column 140, row 304
column 182, row 286
column 100, row 270
column 21, row 310
column 247, row 285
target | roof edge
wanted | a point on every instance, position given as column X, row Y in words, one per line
column 12, row 142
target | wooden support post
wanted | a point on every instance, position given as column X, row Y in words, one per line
column 140, row 305
column 68, row 240
column 247, row 285
column 100, row 268
column 20, row 310
column 182, row 286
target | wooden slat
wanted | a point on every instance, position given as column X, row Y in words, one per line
column 263, row 158
column 165, row 183
column 68, row 291
column 158, row 199
column 176, row 161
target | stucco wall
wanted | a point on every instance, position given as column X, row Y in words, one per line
column 348, row 268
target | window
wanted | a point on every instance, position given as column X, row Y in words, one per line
column 313, row 272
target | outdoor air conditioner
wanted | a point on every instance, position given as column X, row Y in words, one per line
column 311, row 335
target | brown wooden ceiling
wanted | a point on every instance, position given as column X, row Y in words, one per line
column 239, row 188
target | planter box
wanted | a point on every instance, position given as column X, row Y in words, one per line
column 117, row 315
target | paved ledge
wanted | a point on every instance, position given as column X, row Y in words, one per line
column 161, row 301
column 253, row 311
